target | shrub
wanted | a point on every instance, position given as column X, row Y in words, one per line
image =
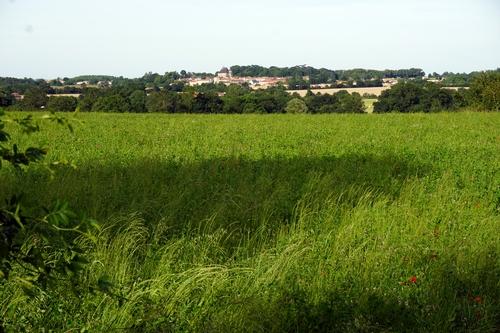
column 485, row 91
column 414, row 97
column 350, row 103
column 39, row 245
column 62, row 104
column 34, row 98
column 296, row 105
column 341, row 102
column 137, row 101
column 113, row 103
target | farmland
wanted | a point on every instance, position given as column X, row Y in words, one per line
column 368, row 102
column 366, row 90
column 216, row 223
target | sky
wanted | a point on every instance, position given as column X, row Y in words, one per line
column 65, row 38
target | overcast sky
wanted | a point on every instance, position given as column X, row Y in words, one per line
column 57, row 38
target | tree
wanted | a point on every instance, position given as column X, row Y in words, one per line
column 461, row 98
column 6, row 98
column 298, row 83
column 137, row 101
column 253, row 108
column 402, row 97
column 34, row 98
column 350, row 103
column 207, row 103
column 232, row 104
column 321, row 103
column 415, row 97
column 296, row 105
column 62, row 104
column 233, row 99
column 87, row 99
column 436, row 98
column 485, row 91
column 185, row 102
column 39, row 244
column 161, row 102
column 113, row 103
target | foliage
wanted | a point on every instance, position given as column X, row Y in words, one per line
column 22, row 85
column 42, row 248
column 234, row 101
column 414, row 97
column 112, row 103
column 324, row 75
column 34, row 98
column 87, row 99
column 450, row 79
column 350, row 103
column 298, row 83
column 121, row 94
column 36, row 248
column 137, row 101
column 11, row 152
column 159, row 102
column 296, row 105
column 62, row 104
column 341, row 102
column 6, row 98
column 485, row 91
column 168, row 93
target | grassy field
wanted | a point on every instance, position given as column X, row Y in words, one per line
column 295, row 223
column 369, row 104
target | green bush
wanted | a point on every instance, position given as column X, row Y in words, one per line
column 62, row 103
column 113, row 103
column 296, row 105
column 414, row 97
column 485, row 91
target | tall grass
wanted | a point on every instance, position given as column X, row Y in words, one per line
column 280, row 223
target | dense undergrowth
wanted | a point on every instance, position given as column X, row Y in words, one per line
column 273, row 223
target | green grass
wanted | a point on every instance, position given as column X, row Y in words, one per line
column 369, row 104
column 293, row 223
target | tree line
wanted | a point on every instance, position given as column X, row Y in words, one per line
column 414, row 96
column 131, row 95
column 301, row 83
column 450, row 79
column 323, row 75
column 209, row 99
column 236, row 99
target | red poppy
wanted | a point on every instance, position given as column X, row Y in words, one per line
column 413, row 279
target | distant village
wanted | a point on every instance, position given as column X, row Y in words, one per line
column 226, row 77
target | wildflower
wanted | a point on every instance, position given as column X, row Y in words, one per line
column 411, row 280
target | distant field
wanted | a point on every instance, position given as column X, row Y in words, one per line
column 372, row 90
column 369, row 104
column 273, row 223
column 64, row 95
